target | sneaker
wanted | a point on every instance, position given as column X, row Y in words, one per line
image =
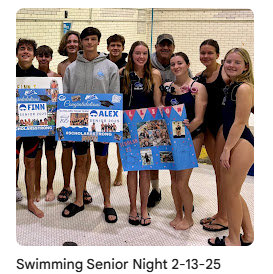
column 19, row 195
column 153, row 198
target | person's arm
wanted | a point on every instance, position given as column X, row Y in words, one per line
column 157, row 92
column 244, row 103
column 201, row 101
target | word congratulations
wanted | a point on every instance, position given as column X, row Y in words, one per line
column 79, row 104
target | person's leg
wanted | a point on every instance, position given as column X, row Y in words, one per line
column 80, row 180
column 177, row 200
column 132, row 191
column 247, row 227
column 241, row 159
column 37, row 186
column 51, row 169
column 101, row 156
column 118, row 179
column 30, row 181
column 182, row 183
column 144, row 186
column 221, row 216
column 66, row 167
column 155, row 195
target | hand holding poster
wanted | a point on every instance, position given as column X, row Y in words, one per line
column 156, row 138
column 89, row 117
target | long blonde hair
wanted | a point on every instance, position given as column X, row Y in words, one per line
column 247, row 75
column 148, row 76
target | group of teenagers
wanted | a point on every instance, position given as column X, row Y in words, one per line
column 218, row 104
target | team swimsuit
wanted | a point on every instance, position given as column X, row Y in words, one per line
column 188, row 99
column 213, row 115
column 137, row 97
column 228, row 113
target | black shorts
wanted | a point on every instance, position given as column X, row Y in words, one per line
column 50, row 143
column 81, row 148
column 30, row 145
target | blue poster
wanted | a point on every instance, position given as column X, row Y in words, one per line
column 89, row 117
column 156, row 138
column 36, row 112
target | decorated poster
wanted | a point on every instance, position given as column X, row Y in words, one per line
column 155, row 138
column 36, row 112
column 36, row 100
column 89, row 117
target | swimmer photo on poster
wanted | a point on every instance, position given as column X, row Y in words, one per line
column 178, row 129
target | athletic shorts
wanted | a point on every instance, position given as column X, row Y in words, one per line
column 30, row 145
column 50, row 143
column 81, row 148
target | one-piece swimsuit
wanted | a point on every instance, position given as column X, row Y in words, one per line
column 228, row 113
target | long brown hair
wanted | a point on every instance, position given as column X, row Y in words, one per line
column 148, row 76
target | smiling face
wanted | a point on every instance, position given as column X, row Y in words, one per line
column 208, row 55
column 178, row 66
column 72, row 44
column 140, row 56
column 25, row 55
column 164, row 50
column 115, row 49
column 234, row 65
column 43, row 60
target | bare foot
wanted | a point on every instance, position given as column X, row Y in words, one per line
column 184, row 224
column 118, row 180
column 208, row 219
column 35, row 210
column 175, row 221
column 50, row 195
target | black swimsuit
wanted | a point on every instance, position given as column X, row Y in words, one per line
column 228, row 111
column 213, row 116
column 189, row 100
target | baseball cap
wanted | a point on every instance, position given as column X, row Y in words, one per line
column 164, row 36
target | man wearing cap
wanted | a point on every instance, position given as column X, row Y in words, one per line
column 164, row 50
column 92, row 72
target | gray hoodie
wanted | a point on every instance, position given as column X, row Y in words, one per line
column 97, row 76
column 166, row 73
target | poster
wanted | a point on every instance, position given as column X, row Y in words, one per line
column 36, row 101
column 155, row 138
column 89, row 117
column 36, row 112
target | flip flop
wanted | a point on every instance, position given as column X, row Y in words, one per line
column 133, row 220
column 65, row 193
column 145, row 219
column 209, row 219
column 242, row 242
column 73, row 210
column 86, row 198
column 222, row 227
column 218, row 242
column 110, row 212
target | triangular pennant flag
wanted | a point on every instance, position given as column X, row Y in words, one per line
column 141, row 112
column 179, row 109
column 153, row 111
column 167, row 110
column 161, row 110
column 130, row 113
